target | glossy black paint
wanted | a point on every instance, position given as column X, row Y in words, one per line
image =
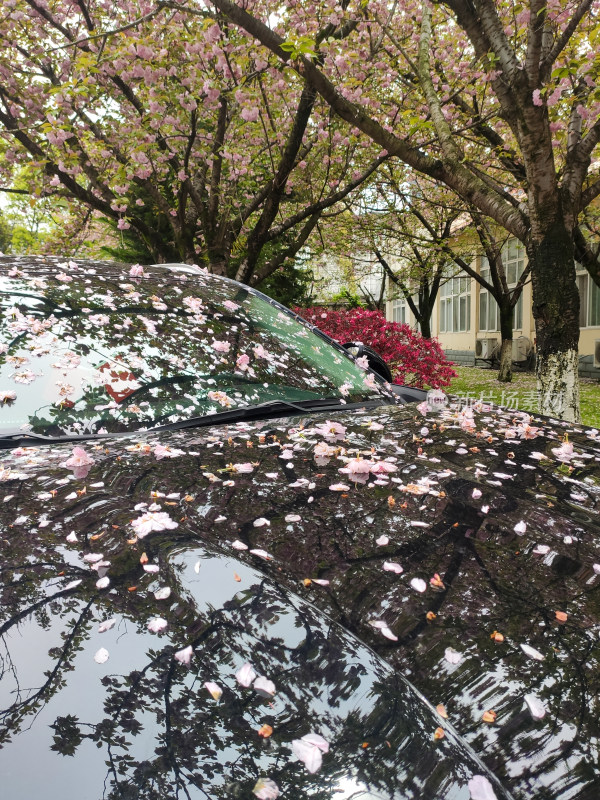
column 142, row 724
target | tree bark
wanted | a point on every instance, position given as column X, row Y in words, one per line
column 506, row 333
column 556, row 313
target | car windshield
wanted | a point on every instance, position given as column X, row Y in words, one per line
column 87, row 350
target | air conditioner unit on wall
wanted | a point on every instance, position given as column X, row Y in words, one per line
column 597, row 353
column 521, row 349
column 485, row 347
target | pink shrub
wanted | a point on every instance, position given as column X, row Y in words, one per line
column 413, row 360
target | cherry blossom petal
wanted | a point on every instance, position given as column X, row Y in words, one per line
column 184, row 656
column 532, row 652
column 163, row 593
column 306, row 752
column 392, row 566
column 481, row 788
column 214, row 689
column 102, row 583
column 157, row 624
column 382, row 541
column 266, row 789
column 246, row 675
column 535, row 706
column 101, row 656
column 418, row 584
column 264, row 687
column 452, row 656
column 107, row 625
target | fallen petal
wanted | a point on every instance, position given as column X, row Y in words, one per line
column 214, row 689
column 452, row 656
column 185, row 656
column 101, row 656
column 266, row 789
column 245, row 675
column 264, row 687
column 532, row 652
column 481, row 788
column 535, row 706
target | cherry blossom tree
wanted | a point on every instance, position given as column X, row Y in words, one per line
column 175, row 128
column 498, row 101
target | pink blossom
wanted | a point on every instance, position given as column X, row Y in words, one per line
column 537, row 100
column 230, row 305
column 383, row 468
column 242, row 362
column 80, row 462
column 6, row 397
column 249, row 114
column 221, row 347
column 357, row 469
column 152, row 521
column 136, row 271
column 331, row 430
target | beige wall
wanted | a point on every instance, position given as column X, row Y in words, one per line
column 466, row 341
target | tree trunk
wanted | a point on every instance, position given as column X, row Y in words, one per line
column 556, row 314
column 425, row 323
column 506, row 333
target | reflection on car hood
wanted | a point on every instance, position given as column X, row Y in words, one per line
column 446, row 541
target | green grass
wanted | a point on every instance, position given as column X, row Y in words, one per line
column 521, row 394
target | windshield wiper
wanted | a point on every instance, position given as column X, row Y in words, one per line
column 272, row 408
column 265, row 411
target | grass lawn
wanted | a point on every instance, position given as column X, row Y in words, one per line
column 476, row 383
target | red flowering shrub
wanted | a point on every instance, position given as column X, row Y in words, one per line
column 413, row 360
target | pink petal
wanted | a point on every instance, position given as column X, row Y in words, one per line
column 101, row 656
column 481, row 788
column 452, row 656
column 214, row 689
column 157, row 624
column 185, row 656
column 418, row 584
column 307, row 753
column 245, row 675
column 535, row 706
column 264, row 687
column 392, row 566
column 266, row 789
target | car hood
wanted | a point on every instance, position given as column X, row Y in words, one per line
column 458, row 545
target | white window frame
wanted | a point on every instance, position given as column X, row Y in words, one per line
column 513, row 259
column 589, row 300
column 400, row 311
column 455, row 305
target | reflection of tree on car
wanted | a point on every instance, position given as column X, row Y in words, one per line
column 153, row 359
column 157, row 724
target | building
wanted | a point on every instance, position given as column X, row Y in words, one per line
column 465, row 316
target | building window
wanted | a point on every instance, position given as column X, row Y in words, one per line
column 513, row 258
column 589, row 301
column 399, row 311
column 455, row 305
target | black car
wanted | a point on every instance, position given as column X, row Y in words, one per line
column 236, row 564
